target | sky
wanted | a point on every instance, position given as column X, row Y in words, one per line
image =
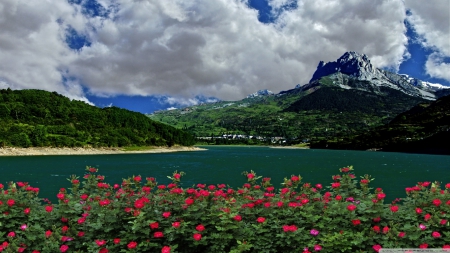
column 147, row 55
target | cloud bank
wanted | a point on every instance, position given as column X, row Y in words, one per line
column 211, row 47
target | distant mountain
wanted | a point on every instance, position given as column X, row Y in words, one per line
column 260, row 93
column 355, row 71
column 343, row 98
column 423, row 129
column 41, row 118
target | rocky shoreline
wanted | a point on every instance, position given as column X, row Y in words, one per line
column 38, row 151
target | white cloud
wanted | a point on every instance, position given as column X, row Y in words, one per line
column 185, row 48
column 431, row 22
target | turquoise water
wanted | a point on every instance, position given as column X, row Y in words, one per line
column 225, row 164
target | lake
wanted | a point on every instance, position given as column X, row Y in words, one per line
column 224, row 164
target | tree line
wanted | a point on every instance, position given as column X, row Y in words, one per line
column 40, row 118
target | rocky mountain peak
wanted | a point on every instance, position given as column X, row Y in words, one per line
column 350, row 63
column 260, row 93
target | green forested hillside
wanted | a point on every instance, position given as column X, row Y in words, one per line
column 322, row 112
column 41, row 118
column 425, row 129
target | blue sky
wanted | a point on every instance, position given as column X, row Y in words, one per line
column 153, row 55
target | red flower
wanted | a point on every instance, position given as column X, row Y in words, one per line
column 137, row 179
column 336, row 185
column 154, row 225
column 401, row 234
column 132, row 245
column 423, row 246
column 80, row 234
column 427, row 216
column 385, row 230
column 295, row 178
column 158, row 235
column 103, row 250
column 338, row 197
column 64, row 229
column 197, row 237
column 10, row 202
column 49, row 209
column 364, row 181
column 11, row 234
column 100, row 242
column 377, row 219
column 60, row 196
column 200, row 228
column 176, row 224
column 381, row 196
column 351, row 207
column 165, row 249
column 166, row 214
column 261, row 219
column 356, row 222
column 376, row 247
column 345, row 169
column 250, row 175
column 437, row 202
column 26, row 211
column 189, row 201
column 237, row 218
column 116, row 240
column 376, row 229
column 48, row 233
column 436, row 234
column 394, row 209
column 63, row 248
column 443, row 222
column 418, row 210
column 139, row 203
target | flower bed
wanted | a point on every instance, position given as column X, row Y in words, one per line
column 347, row 216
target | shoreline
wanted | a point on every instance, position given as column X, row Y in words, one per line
column 49, row 151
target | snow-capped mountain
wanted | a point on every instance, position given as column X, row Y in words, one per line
column 355, row 71
column 260, row 93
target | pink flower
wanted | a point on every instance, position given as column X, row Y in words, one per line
column 314, row 232
column 351, row 207
column 132, row 245
column 261, row 219
column 376, row 247
column 100, row 242
column 197, row 237
column 422, row 227
column 381, row 196
column 63, row 248
column 356, row 222
column 23, row 226
column 436, row 234
column 437, row 202
column 423, row 246
column 376, row 229
column 165, row 249
column 317, row 247
column 200, row 228
column 10, row 202
column 154, row 225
